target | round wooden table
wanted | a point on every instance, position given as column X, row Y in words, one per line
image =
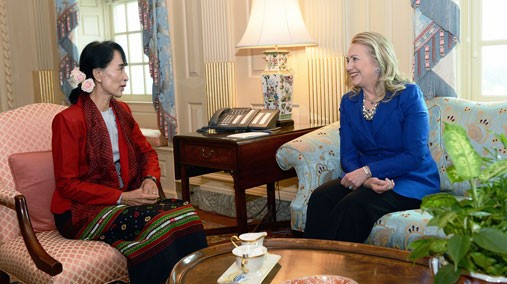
column 305, row 257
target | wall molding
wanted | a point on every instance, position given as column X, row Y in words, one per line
column 6, row 91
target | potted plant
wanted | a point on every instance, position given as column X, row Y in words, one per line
column 476, row 226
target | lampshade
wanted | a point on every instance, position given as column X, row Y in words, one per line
column 275, row 23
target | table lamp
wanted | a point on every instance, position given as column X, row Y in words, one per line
column 274, row 24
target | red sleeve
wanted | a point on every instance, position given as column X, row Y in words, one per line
column 70, row 163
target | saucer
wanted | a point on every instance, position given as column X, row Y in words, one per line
column 234, row 274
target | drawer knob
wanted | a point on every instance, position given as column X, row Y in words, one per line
column 208, row 155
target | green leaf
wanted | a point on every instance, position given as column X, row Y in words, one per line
column 453, row 174
column 482, row 260
column 497, row 169
column 502, row 139
column 420, row 248
column 463, row 155
column 480, row 214
column 438, row 200
column 491, row 239
column 438, row 247
column 442, row 220
column 458, row 246
column 497, row 269
column 447, row 275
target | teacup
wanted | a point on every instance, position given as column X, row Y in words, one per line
column 249, row 239
column 250, row 258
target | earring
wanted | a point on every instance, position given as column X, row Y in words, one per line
column 377, row 70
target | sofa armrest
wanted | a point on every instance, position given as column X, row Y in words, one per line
column 315, row 157
column 40, row 257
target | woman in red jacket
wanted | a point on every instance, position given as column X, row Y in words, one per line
column 107, row 174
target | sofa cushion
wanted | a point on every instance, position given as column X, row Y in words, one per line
column 34, row 178
column 400, row 229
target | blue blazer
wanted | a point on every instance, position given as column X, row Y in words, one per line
column 394, row 144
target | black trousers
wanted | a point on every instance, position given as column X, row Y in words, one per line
column 338, row 213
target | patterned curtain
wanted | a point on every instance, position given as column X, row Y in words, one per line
column 436, row 34
column 67, row 20
column 157, row 46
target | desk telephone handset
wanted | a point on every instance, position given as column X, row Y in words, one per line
column 243, row 118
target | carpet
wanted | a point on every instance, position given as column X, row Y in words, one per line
column 283, row 232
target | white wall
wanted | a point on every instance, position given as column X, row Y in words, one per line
column 204, row 35
column 206, row 32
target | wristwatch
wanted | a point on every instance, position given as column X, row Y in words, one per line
column 150, row 177
column 367, row 171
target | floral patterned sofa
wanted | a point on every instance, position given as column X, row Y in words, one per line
column 316, row 159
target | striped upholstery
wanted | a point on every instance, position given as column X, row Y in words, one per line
column 28, row 129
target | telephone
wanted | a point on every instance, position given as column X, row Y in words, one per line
column 243, row 119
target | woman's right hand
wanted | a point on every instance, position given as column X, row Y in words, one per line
column 378, row 185
column 138, row 197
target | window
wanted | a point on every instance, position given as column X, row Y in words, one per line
column 119, row 21
column 127, row 31
column 483, row 49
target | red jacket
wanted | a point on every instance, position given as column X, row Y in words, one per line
column 70, row 161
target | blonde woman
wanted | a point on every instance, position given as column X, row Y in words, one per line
column 384, row 130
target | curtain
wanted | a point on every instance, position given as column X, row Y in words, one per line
column 157, row 46
column 436, row 25
column 67, row 21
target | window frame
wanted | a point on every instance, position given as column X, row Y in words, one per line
column 469, row 79
column 146, row 97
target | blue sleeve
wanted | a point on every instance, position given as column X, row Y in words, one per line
column 349, row 154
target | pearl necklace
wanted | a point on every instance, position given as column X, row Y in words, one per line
column 368, row 114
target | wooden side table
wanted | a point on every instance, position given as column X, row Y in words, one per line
column 251, row 162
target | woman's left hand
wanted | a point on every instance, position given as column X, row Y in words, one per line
column 354, row 179
column 378, row 185
column 149, row 187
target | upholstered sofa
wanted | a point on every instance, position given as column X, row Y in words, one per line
column 31, row 249
column 316, row 159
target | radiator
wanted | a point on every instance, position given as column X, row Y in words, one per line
column 43, row 84
column 220, row 85
column 327, row 78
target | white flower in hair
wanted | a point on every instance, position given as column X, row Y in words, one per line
column 88, row 85
column 76, row 77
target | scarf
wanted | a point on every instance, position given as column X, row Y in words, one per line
column 100, row 156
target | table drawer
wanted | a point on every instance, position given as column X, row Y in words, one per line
column 203, row 155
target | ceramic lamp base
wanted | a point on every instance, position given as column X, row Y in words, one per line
column 277, row 92
column 285, row 123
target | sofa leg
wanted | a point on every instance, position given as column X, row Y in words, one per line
column 4, row 278
column 297, row 234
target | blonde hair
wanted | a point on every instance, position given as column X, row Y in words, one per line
column 382, row 51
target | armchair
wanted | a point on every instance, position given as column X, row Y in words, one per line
column 31, row 249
